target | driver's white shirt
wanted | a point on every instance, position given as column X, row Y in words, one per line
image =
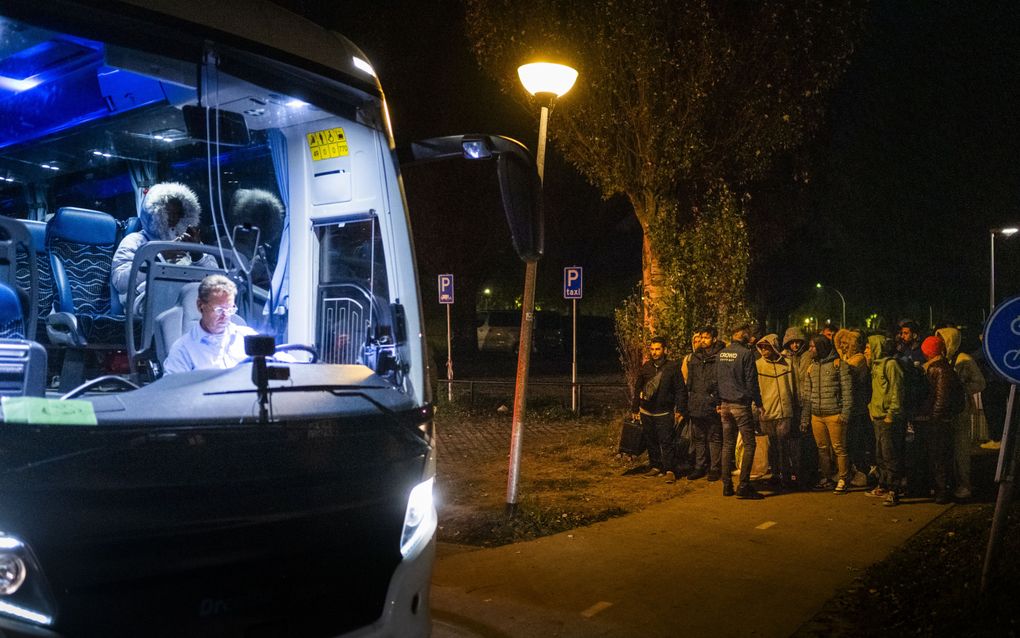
column 201, row 350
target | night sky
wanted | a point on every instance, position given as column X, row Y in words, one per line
column 915, row 164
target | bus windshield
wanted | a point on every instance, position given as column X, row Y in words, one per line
column 139, row 175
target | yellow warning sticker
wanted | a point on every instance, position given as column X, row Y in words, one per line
column 327, row 144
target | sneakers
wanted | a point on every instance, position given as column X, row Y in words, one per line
column 695, row 475
column 727, row 489
column 962, row 494
column 713, row 477
column 878, row 492
column 653, row 473
column 841, row 487
column 670, row 477
column 990, row 445
column 892, row 499
column 747, row 492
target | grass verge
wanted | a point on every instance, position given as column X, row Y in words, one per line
column 570, row 475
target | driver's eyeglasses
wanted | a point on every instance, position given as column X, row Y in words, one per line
column 225, row 311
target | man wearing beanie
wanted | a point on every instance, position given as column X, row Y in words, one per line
column 947, row 398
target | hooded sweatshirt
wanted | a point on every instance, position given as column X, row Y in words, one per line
column 802, row 359
column 886, row 381
column 778, row 382
column 965, row 366
column 827, row 385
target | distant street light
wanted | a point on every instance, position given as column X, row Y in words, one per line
column 841, row 298
column 1007, row 233
column 547, row 82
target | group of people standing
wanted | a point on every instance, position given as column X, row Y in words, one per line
column 892, row 413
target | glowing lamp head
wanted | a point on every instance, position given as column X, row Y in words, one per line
column 1009, row 231
column 547, row 77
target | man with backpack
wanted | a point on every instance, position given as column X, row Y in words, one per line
column 947, row 399
column 660, row 403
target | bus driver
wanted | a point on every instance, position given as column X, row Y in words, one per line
column 215, row 341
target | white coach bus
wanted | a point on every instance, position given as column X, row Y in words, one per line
column 287, row 495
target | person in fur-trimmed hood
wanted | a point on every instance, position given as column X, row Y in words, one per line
column 860, row 435
column 170, row 212
column 974, row 383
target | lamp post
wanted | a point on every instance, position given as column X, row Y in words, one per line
column 1007, row 233
column 546, row 81
column 841, row 298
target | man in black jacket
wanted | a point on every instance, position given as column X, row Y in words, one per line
column 660, row 402
column 738, row 391
column 703, row 405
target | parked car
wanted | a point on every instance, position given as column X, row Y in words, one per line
column 500, row 331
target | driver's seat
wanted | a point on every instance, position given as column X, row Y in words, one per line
column 182, row 317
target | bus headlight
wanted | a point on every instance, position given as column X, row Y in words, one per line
column 12, row 573
column 24, row 593
column 419, row 520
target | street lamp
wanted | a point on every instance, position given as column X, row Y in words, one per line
column 1007, row 233
column 546, row 81
column 841, row 298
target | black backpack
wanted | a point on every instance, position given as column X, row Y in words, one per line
column 915, row 387
column 957, row 395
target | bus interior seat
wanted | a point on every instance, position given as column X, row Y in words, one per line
column 177, row 320
column 12, row 321
column 44, row 292
column 22, row 362
column 81, row 244
column 17, row 251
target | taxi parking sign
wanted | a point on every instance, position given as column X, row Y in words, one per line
column 446, row 289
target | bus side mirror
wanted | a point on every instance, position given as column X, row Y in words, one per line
column 520, row 188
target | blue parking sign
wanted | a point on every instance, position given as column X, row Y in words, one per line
column 446, row 289
column 1002, row 340
column 573, row 282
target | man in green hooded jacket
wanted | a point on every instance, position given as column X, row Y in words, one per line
column 886, row 412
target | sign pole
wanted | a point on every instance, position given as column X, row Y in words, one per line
column 446, row 298
column 573, row 364
column 573, row 289
column 1007, row 462
column 449, row 357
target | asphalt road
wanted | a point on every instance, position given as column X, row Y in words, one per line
column 693, row 566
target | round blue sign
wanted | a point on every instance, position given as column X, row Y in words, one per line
column 1002, row 340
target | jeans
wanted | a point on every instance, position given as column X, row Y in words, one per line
column 940, row 453
column 661, row 438
column 830, row 433
column 737, row 418
column 784, row 450
column 961, row 450
column 890, row 441
column 708, row 439
column 861, row 442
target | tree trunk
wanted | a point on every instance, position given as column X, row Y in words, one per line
column 652, row 276
column 652, row 280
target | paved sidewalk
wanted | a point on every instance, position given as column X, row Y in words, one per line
column 697, row 565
